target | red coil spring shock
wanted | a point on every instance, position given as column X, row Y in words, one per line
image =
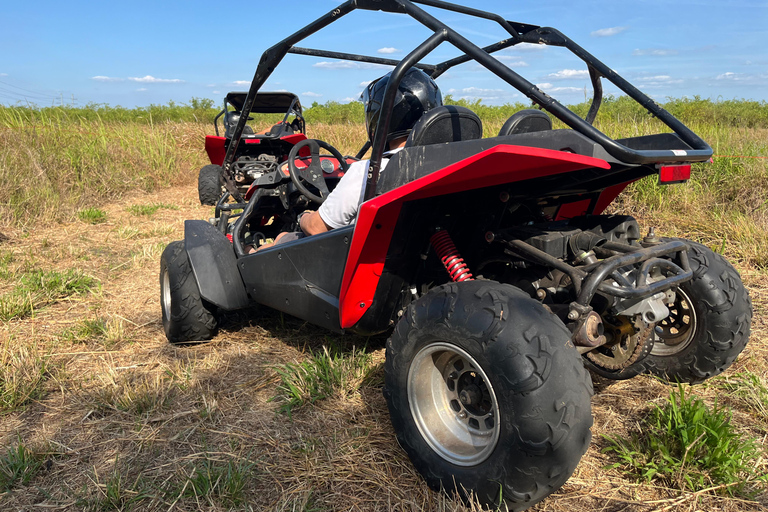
column 450, row 257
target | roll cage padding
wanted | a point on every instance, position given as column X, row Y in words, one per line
column 526, row 121
column 448, row 123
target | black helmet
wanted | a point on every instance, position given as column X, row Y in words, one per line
column 416, row 94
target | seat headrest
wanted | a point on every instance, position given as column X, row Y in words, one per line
column 526, row 121
column 448, row 123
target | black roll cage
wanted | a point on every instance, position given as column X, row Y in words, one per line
column 519, row 33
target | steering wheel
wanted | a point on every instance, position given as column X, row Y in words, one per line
column 313, row 173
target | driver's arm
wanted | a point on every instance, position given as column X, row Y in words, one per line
column 312, row 224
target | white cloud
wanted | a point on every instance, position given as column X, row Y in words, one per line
column 211, row 85
column 349, row 99
column 365, row 84
column 344, row 64
column 141, row 89
column 608, row 32
column 388, row 50
column 658, row 81
column 215, row 92
column 513, row 61
column 311, row 94
column 242, row 82
column 479, row 91
column 567, row 74
column 527, row 47
column 732, row 76
column 101, row 78
column 566, row 89
column 550, row 88
column 655, row 52
column 149, row 79
column 3, row 74
column 488, row 95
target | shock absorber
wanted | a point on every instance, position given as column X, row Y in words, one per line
column 450, row 257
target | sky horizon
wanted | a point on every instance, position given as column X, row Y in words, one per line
column 142, row 53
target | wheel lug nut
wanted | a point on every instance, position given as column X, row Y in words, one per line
column 462, row 415
column 453, row 375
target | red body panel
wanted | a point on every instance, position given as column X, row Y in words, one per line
column 214, row 146
column 216, row 149
column 607, row 196
column 377, row 218
column 574, row 209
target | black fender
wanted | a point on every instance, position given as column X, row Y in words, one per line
column 214, row 265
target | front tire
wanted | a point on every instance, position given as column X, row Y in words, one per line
column 487, row 394
column 209, row 185
column 186, row 316
column 709, row 322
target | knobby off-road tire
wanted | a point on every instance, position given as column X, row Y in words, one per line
column 209, row 185
column 186, row 316
column 487, row 395
column 709, row 323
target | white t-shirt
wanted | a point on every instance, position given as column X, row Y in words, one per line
column 340, row 207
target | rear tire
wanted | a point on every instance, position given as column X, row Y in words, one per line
column 487, row 395
column 708, row 326
column 209, row 185
column 186, row 316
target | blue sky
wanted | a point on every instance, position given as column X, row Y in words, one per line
column 139, row 53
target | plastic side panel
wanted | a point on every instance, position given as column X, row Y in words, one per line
column 377, row 217
column 214, row 146
column 214, row 265
column 608, row 195
column 301, row 278
column 574, row 209
column 294, row 138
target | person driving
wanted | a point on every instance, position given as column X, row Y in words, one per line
column 417, row 93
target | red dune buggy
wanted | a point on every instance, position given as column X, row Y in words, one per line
column 489, row 259
column 257, row 154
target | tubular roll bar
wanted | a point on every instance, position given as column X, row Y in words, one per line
column 519, row 33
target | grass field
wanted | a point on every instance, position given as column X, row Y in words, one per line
column 98, row 412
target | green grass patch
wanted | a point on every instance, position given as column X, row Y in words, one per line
column 117, row 492
column 149, row 209
column 18, row 466
column 751, row 391
column 138, row 395
column 23, row 373
column 108, row 331
column 6, row 258
column 39, row 288
column 92, row 215
column 686, row 444
column 322, row 375
column 216, row 481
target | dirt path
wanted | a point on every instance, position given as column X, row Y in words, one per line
column 127, row 421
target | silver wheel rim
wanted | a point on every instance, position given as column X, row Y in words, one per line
column 675, row 333
column 453, row 404
column 165, row 294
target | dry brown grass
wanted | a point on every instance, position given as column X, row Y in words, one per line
column 127, row 421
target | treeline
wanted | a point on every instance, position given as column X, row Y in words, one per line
column 742, row 113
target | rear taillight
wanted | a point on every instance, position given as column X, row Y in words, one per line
column 674, row 173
